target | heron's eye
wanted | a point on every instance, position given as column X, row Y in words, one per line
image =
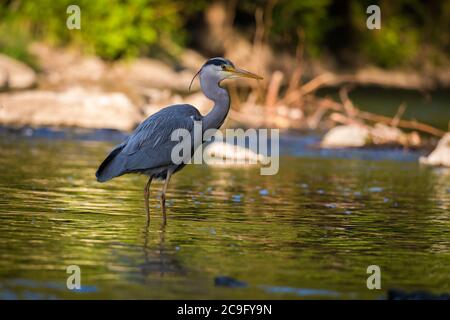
column 223, row 67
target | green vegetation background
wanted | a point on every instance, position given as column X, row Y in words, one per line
column 412, row 31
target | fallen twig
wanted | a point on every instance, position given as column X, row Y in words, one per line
column 406, row 124
column 398, row 115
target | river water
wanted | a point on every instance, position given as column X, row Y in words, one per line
column 310, row 231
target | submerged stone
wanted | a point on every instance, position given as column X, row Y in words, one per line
column 225, row 281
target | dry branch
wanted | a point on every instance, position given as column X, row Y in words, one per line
column 273, row 89
column 398, row 115
column 405, row 124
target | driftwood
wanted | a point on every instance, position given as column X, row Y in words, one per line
column 316, row 108
column 395, row 121
column 269, row 105
column 406, row 124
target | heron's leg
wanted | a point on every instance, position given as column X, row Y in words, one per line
column 163, row 194
column 146, row 197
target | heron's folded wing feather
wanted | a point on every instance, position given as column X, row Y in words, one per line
column 150, row 145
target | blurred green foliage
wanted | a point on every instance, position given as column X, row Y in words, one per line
column 411, row 30
column 14, row 44
column 116, row 29
column 110, row 28
column 290, row 20
column 408, row 29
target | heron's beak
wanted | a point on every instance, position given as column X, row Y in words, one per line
column 236, row 73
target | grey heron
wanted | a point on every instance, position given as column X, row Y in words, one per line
column 148, row 149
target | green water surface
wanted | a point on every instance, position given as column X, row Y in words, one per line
column 310, row 231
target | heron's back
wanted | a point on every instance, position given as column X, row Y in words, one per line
column 149, row 147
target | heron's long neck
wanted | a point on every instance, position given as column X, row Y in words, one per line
column 215, row 118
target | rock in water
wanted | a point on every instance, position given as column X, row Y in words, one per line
column 76, row 107
column 225, row 281
column 15, row 74
column 221, row 153
column 441, row 155
column 346, row 136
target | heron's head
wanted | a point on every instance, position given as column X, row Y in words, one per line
column 218, row 69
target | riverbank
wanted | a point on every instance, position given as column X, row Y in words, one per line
column 73, row 90
column 292, row 144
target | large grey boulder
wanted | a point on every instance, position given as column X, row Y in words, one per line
column 67, row 66
column 75, row 107
column 151, row 73
column 15, row 74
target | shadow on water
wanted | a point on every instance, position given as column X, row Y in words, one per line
column 309, row 231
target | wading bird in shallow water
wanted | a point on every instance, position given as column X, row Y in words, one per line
column 148, row 149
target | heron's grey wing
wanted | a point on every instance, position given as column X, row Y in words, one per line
column 150, row 146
